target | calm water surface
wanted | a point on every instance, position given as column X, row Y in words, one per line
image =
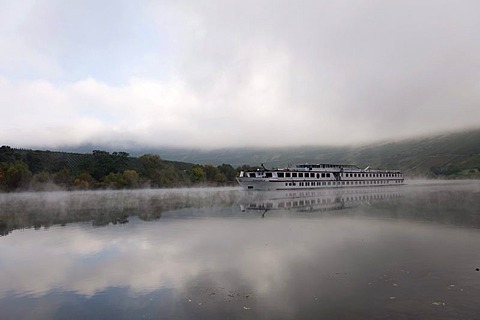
column 372, row 253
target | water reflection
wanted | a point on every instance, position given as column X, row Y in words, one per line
column 45, row 209
column 376, row 255
column 453, row 203
column 317, row 200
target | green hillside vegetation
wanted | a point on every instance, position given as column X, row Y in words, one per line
column 447, row 156
column 453, row 155
column 22, row 169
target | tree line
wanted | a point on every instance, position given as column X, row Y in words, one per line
column 22, row 169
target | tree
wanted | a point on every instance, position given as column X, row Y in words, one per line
column 228, row 171
column 113, row 180
column 120, row 161
column 17, row 176
column 131, row 178
column 34, row 161
column 103, row 164
column 211, row 172
column 84, row 181
column 198, row 175
column 7, row 154
column 160, row 173
column 63, row 178
column 40, row 180
column 151, row 162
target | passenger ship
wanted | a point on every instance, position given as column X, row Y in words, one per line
column 316, row 176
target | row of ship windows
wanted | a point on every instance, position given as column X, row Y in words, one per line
column 372, row 175
column 328, row 175
column 338, row 183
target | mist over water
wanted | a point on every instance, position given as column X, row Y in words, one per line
column 399, row 252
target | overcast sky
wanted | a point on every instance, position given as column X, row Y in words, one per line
column 218, row 73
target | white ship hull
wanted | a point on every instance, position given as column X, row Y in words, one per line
column 318, row 177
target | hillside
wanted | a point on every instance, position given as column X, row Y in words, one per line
column 24, row 169
column 452, row 155
column 448, row 155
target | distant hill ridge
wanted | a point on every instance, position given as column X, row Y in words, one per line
column 451, row 154
column 454, row 155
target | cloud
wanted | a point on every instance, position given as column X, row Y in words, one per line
column 226, row 73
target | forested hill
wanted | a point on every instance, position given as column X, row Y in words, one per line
column 453, row 155
column 22, row 169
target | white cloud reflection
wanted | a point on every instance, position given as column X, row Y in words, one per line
column 263, row 255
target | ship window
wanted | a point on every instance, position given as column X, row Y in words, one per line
column 318, row 175
column 251, row 174
column 300, row 175
column 294, row 174
column 268, row 174
column 280, row 174
column 287, row 174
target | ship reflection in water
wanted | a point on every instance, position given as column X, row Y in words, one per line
column 317, row 200
column 401, row 252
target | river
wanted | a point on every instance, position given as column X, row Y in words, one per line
column 401, row 252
